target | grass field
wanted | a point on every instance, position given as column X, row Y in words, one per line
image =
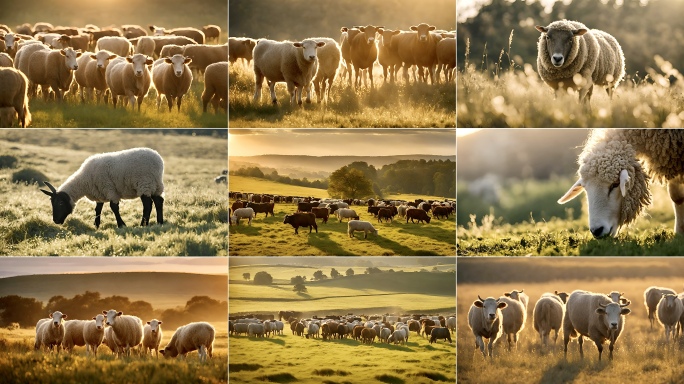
column 386, row 106
column 352, row 362
column 195, row 213
column 243, row 183
column 640, row 353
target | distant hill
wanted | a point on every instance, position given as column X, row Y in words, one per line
column 256, row 185
column 406, row 282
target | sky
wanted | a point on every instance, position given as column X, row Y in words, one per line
column 469, row 8
column 342, row 142
column 18, row 266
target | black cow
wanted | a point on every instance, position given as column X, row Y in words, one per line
column 305, row 207
column 384, row 213
column 303, row 219
column 419, row 214
column 440, row 333
column 261, row 208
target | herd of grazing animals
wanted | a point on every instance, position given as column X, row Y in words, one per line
column 60, row 62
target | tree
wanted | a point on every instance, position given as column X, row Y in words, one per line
column 371, row 270
column 299, row 288
column 23, row 310
column 245, row 275
column 297, row 280
column 349, row 183
column 350, row 272
column 334, row 274
column 263, row 278
column 318, row 275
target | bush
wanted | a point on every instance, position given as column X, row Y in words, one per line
column 8, row 161
column 28, row 176
column 263, row 278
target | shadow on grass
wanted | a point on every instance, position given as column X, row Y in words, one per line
column 268, row 339
column 399, row 249
column 385, row 378
column 432, row 231
column 244, row 367
column 278, row 378
column 393, row 347
column 562, row 372
column 323, row 242
column 245, row 230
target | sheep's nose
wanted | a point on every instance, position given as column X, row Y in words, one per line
column 491, row 315
column 423, row 38
column 597, row 232
column 557, row 59
column 75, row 67
column 312, row 57
column 613, row 325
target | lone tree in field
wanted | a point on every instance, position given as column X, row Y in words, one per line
column 349, row 183
column 299, row 288
column 371, row 270
column 297, row 280
column 318, row 275
column 263, row 278
column 245, row 275
column 350, row 272
column 334, row 274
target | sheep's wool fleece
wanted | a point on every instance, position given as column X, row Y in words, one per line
column 113, row 176
column 644, row 153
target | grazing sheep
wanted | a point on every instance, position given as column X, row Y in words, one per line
column 242, row 213
column 361, row 226
column 112, row 176
column 13, row 97
column 190, row 337
column 211, row 32
column 54, row 69
column 172, row 78
column 669, row 311
column 514, row 318
column 364, row 52
column 204, row 55
column 173, row 49
column 145, row 46
column 346, row 213
column 385, row 334
column 595, row 316
column 73, row 335
column 50, row 331
column 292, row 63
column 328, row 63
column 127, row 330
column 446, row 58
column 485, row 320
column 152, row 336
column 397, row 337
column 93, row 333
column 628, row 159
column 548, row 315
column 215, row 86
column 652, row 296
column 115, row 44
column 90, row 74
column 161, row 41
column 368, row 335
column 241, row 48
column 6, row 60
column 568, row 48
column 192, row 33
column 129, row 77
column 239, row 328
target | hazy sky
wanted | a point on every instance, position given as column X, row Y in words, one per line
column 341, row 142
column 469, row 8
column 16, row 266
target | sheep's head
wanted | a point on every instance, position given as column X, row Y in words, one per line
column 559, row 42
column 62, row 204
column 616, row 186
column 309, row 48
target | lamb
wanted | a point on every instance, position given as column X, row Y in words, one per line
column 292, row 63
column 548, row 315
column 172, row 78
column 328, row 63
column 112, row 176
column 127, row 330
column 241, row 48
column 50, row 331
column 652, row 296
column 358, row 225
column 73, row 335
column 115, row 44
column 363, row 52
column 129, row 77
column 192, row 33
column 216, row 86
column 567, row 48
column 204, row 55
column 611, row 159
column 93, row 333
column 152, row 335
column 13, row 97
column 53, row 68
column 145, row 46
column 242, row 213
column 190, row 337
column 446, row 58
column 669, row 310
column 514, row 318
column 90, row 74
column 211, row 32
column 485, row 320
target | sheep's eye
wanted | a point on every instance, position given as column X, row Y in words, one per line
column 613, row 186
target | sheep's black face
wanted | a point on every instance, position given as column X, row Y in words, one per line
column 62, row 205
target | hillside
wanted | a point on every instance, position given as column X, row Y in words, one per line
column 253, row 184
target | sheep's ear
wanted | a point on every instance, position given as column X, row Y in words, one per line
column 160, row 322
column 104, row 312
column 572, row 192
column 298, row 45
column 78, row 53
column 414, row 28
column 601, row 311
column 432, row 28
column 579, row 32
column 47, row 192
column 148, row 322
column 344, row 29
column 61, row 52
column 507, row 294
column 93, row 57
column 187, row 60
column 625, row 311
column 129, row 59
column 624, row 178
column 120, row 313
column 502, row 305
column 64, row 316
column 111, row 57
column 168, row 60
column 478, row 303
column 148, row 61
column 94, row 318
column 541, row 29
column 320, row 44
column 152, row 28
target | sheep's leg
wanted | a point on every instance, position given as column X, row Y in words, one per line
column 169, row 102
column 147, row 209
column 676, row 190
column 258, row 83
column 271, row 87
column 115, row 208
column 159, row 206
column 98, row 212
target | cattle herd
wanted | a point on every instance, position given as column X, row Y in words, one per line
column 114, row 61
column 596, row 316
column 387, row 328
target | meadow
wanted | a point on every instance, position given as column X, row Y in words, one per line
column 195, row 213
column 640, row 354
column 268, row 236
column 296, row 359
column 387, row 105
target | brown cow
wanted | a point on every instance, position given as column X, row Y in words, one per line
column 237, row 204
column 356, row 332
column 304, row 219
column 321, row 213
column 417, row 213
column 364, row 52
column 384, row 213
column 368, row 335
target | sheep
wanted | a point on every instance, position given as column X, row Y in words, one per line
column 385, row 334
column 161, row 41
column 485, row 321
column 568, row 48
column 425, row 50
column 364, row 52
column 241, row 328
column 190, row 337
column 652, row 296
column 215, row 86
column 514, row 318
column 439, row 333
column 50, row 331
column 129, row 77
column 152, row 336
column 548, row 315
column 328, row 63
column 388, row 58
column 446, row 58
column 172, row 49
column 292, row 63
column 112, row 176
column 241, row 48
column 314, row 330
column 611, row 159
column 110, row 340
column 358, row 225
column 115, row 44
column 172, row 78
column 346, row 213
column 346, row 38
column 11, row 40
column 451, row 323
column 243, row 213
column 127, row 329
column 80, row 41
column 24, row 29
column 90, row 74
column 42, row 27
column 595, row 316
column 53, row 68
column 13, row 97
column 211, row 32
column 617, row 297
column 519, row 296
column 93, row 333
column 145, row 46
column 131, row 31
column 669, row 311
column 73, row 335
column 192, row 33
column 204, row 55
column 397, row 337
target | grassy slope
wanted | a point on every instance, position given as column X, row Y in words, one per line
column 253, row 184
column 387, row 106
column 194, row 214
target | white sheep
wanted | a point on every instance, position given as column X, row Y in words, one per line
column 548, row 315
column 446, row 58
column 385, row 334
column 152, row 336
column 90, row 74
column 204, row 55
column 13, row 97
column 161, row 41
column 54, row 69
column 93, row 333
column 145, row 46
column 172, row 78
column 192, row 33
column 112, row 176
column 172, row 49
column 397, row 337
column 115, row 44
column 328, row 63
column 73, row 335
column 241, row 48
column 110, row 341
column 127, row 330
column 242, row 213
column 129, row 77
column 215, row 86
column 514, row 318
column 50, row 331
column 292, row 63
column 518, row 295
column 256, row 330
column 669, row 310
column 6, row 60
column 567, row 48
column 211, row 32
column 362, row 226
column 615, row 169
column 485, row 321
column 190, row 337
column 652, row 296
column 346, row 213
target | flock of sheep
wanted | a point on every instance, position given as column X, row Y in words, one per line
column 317, row 60
column 112, row 61
column 121, row 333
